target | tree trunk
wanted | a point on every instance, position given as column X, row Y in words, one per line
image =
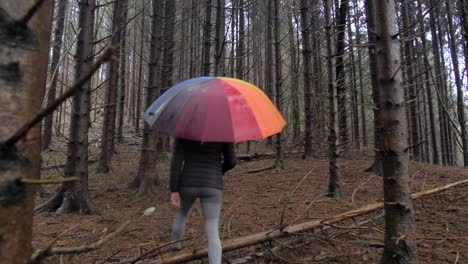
column 458, row 84
column 240, row 43
column 279, row 163
column 399, row 244
column 334, row 189
column 352, row 64
column 376, row 166
column 341, row 85
column 411, row 82
column 147, row 175
column 294, row 58
column 308, row 85
column 361, row 77
column 427, row 68
column 206, row 39
column 56, row 55
column 73, row 196
column 108, row 126
column 122, row 72
column 220, row 40
column 140, row 73
column 23, row 70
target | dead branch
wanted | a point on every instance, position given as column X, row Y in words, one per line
column 261, row 169
column 49, row 181
column 50, row 251
column 240, row 242
column 22, row 131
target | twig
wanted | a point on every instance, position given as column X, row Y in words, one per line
column 357, row 188
column 22, row 131
column 148, row 254
column 458, row 257
column 79, row 249
column 290, row 195
column 49, row 181
column 31, row 12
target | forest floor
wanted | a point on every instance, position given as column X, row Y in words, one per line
column 253, row 202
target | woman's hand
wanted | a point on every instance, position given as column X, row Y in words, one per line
column 175, row 199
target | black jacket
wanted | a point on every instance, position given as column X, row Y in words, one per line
column 196, row 164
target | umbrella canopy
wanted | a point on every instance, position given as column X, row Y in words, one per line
column 215, row 109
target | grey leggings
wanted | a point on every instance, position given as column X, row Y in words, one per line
column 211, row 200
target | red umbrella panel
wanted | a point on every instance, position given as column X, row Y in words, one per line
column 215, row 109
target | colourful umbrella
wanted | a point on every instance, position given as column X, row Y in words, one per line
column 215, row 109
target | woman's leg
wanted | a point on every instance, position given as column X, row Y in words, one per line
column 211, row 200
column 187, row 197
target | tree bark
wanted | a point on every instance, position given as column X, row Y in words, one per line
column 24, row 45
column 399, row 240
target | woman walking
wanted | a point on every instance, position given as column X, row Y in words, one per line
column 197, row 171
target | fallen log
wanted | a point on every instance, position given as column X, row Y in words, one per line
column 240, row 242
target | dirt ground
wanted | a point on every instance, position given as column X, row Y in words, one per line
column 252, row 203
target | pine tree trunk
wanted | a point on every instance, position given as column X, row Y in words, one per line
column 376, row 166
column 293, row 52
column 361, row 77
column 399, row 246
column 355, row 108
column 334, row 189
column 279, row 163
column 122, row 72
column 219, row 38
column 206, row 40
column 240, row 43
column 427, row 68
column 23, row 70
column 147, row 174
column 56, row 55
column 74, row 196
column 308, row 85
column 458, row 84
column 411, row 82
column 108, row 127
column 341, row 85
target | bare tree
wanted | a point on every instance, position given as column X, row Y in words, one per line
column 25, row 27
column 399, row 244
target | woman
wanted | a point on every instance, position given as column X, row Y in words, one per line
column 197, row 171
